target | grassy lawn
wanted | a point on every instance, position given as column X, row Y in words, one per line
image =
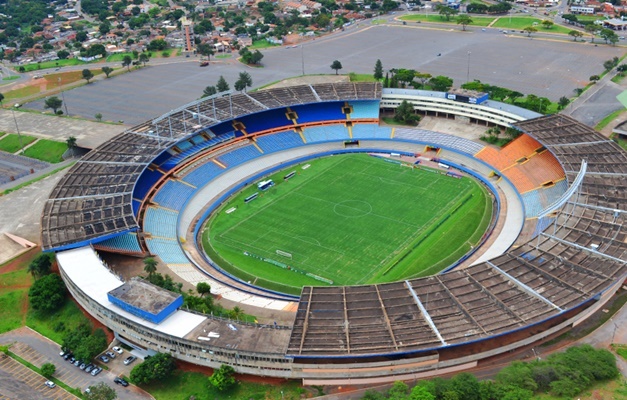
column 53, row 326
column 11, row 78
column 520, row 23
column 476, row 21
column 378, row 21
column 602, row 124
column 48, row 82
column 621, row 142
column 11, row 305
column 118, row 57
column 183, row 385
column 22, row 92
column 361, row 77
column 358, row 236
column 52, row 64
column 262, row 44
column 47, row 150
column 11, row 142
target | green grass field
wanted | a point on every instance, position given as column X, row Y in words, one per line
column 436, row 18
column 520, row 23
column 47, row 150
column 350, row 219
column 11, row 142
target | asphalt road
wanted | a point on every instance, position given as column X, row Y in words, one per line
column 546, row 68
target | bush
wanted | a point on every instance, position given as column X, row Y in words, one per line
column 155, row 368
column 47, row 294
column 47, row 370
column 222, row 379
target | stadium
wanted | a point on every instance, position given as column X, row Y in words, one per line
column 552, row 253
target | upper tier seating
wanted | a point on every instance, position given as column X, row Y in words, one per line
column 325, row 133
column 371, row 131
column 126, row 242
column 279, row 141
column 239, row 156
column 160, row 222
column 364, row 109
column 173, row 195
column 319, row 112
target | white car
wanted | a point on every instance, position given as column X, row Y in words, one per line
column 118, row 350
column 50, row 384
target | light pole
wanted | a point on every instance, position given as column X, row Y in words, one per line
column 468, row 69
column 63, row 98
column 302, row 58
column 18, row 130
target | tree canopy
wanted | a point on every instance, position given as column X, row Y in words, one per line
column 53, row 102
column 154, row 368
column 336, row 65
column 101, row 391
column 87, row 75
column 222, row 379
column 47, row 294
column 243, row 81
column 41, row 265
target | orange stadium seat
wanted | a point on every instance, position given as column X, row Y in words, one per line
column 522, row 146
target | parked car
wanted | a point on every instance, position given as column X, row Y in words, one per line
column 89, row 367
column 118, row 350
column 96, row 371
column 110, row 354
column 129, row 360
column 50, row 384
column 63, row 353
column 82, row 366
column 120, row 381
column 77, row 363
column 67, row 355
column 104, row 358
column 72, row 359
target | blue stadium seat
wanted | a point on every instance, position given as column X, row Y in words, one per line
column 371, row 131
column 539, row 199
column 365, row 109
column 160, row 222
column 239, row 156
column 542, row 224
column 184, row 145
column 279, row 141
column 175, row 160
column 325, row 133
column 200, row 176
column 319, row 112
column 126, row 242
column 173, row 195
column 533, row 203
column 168, row 250
column 265, row 120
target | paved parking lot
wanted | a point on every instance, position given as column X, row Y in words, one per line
column 547, row 68
column 19, row 382
column 38, row 350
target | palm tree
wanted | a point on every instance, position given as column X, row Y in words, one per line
column 150, row 265
column 71, row 143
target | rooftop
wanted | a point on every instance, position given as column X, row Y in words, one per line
column 144, row 295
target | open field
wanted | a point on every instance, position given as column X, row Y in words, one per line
column 48, row 82
column 520, row 23
column 11, row 142
column 436, row 18
column 351, row 219
column 47, row 150
column 53, row 64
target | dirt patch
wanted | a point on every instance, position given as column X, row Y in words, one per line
column 187, row 367
column 20, row 261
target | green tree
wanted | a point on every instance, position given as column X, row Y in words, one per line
column 336, row 65
column 222, row 85
column 517, row 374
column 98, row 117
column 463, row 20
column 423, row 77
column 63, row 54
column 107, row 71
column 378, row 70
column 243, row 81
column 144, row 58
column 575, row 34
column 222, row 379
column 47, row 294
column 101, row 391
column 158, row 44
column 621, row 69
column 127, row 61
column 53, row 102
column 591, row 29
column 41, row 265
column 91, row 345
column 466, row 386
column 203, row 288
column 563, row 102
column 530, row 30
column 405, row 113
column 441, row 83
column 150, row 265
column 205, row 49
column 594, row 78
column 2, row 97
column 421, row 393
column 445, row 11
column 398, row 391
column 155, row 368
column 71, row 143
column 547, row 24
column 87, row 75
column 47, row 370
column 209, row 91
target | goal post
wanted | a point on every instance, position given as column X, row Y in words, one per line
column 284, row 254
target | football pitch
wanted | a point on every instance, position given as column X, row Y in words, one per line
column 347, row 220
